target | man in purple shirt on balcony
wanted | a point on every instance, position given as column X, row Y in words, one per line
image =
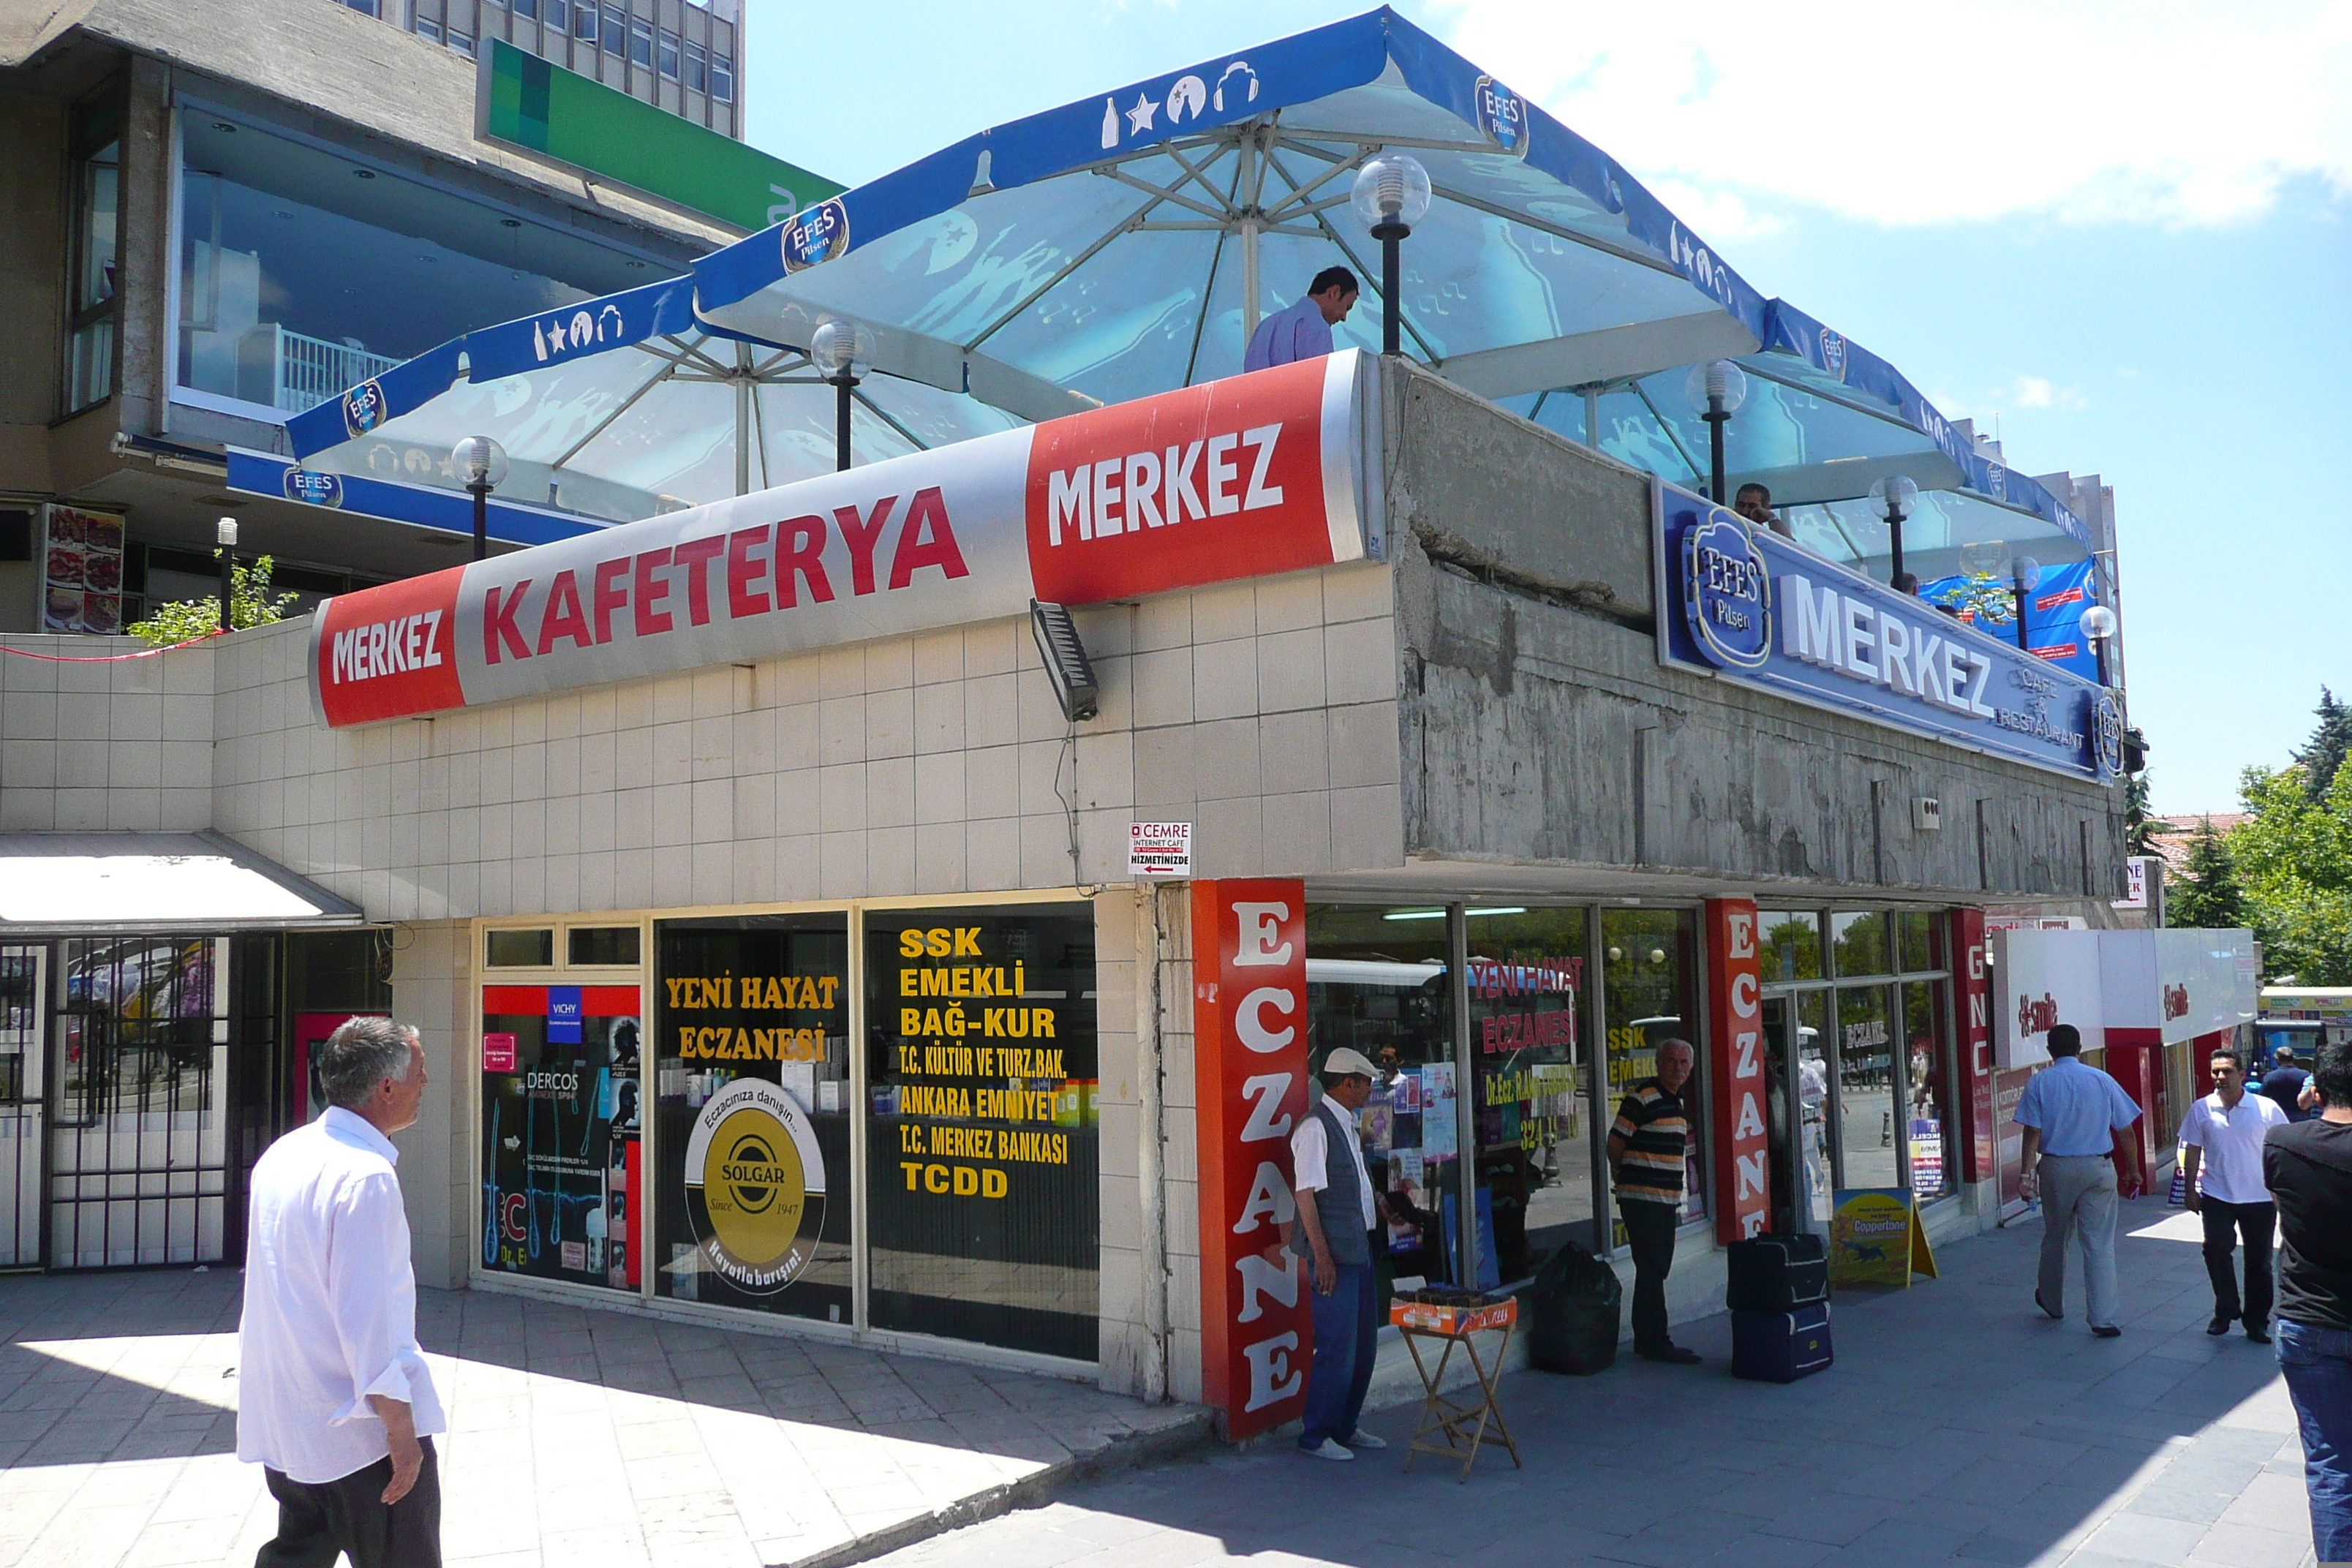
column 1304, row 330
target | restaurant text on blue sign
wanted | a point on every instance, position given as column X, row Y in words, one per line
column 1745, row 605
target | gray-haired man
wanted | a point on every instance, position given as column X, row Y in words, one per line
column 333, row 1399
column 1338, row 1212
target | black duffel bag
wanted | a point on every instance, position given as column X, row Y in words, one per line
column 1574, row 1307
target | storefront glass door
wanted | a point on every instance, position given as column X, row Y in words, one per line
column 1865, row 1088
column 24, row 998
column 137, row 1101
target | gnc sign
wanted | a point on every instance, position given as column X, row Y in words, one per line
column 1249, row 1021
column 1243, row 478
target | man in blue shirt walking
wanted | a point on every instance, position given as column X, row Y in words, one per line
column 1304, row 330
column 2070, row 1113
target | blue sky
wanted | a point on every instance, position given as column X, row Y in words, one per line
column 2120, row 230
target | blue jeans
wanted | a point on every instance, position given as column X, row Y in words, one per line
column 1346, row 1340
column 2318, row 1366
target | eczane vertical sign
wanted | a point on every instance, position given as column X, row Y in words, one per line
column 1739, row 1077
column 1249, row 1005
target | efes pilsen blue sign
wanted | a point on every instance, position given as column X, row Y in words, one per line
column 1744, row 604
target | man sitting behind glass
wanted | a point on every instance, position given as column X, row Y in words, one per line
column 1304, row 330
column 1754, row 503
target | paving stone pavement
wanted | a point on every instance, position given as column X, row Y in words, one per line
column 1959, row 1426
column 581, row 1439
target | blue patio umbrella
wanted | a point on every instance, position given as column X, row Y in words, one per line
column 622, row 407
column 1130, row 242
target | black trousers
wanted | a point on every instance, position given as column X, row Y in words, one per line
column 2224, row 1224
column 316, row 1522
column 1650, row 1233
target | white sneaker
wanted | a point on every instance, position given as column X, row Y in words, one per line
column 1327, row 1449
column 1360, row 1439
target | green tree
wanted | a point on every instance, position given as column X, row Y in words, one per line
column 2329, row 743
column 249, row 605
column 2207, row 894
column 2141, row 830
column 2293, row 861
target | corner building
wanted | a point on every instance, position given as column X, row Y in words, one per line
column 813, row 986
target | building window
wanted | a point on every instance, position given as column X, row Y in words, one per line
column 616, row 31
column 698, row 67
column 526, row 8
column 752, row 1073
column 983, row 1174
column 668, row 46
column 96, row 194
column 297, row 281
column 583, row 21
column 722, row 78
column 461, row 42
column 641, row 41
column 561, row 1130
column 558, row 17
column 428, row 28
column 367, row 7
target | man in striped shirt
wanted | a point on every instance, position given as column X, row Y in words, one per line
column 1646, row 1151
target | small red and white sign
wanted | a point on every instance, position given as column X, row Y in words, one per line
column 499, row 1052
column 1243, row 478
column 1162, row 849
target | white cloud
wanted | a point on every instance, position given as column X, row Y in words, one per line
column 2165, row 111
column 2037, row 392
column 1716, row 213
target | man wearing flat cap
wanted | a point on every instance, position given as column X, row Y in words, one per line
column 1334, row 1233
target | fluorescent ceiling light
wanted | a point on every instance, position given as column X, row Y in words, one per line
column 1440, row 914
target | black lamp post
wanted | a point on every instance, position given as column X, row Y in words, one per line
column 1716, row 390
column 480, row 464
column 1391, row 192
column 2098, row 623
column 225, row 531
column 1896, row 495
column 2024, row 572
column 840, row 352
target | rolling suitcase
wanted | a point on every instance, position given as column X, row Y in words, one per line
column 1781, row 1347
column 1777, row 1273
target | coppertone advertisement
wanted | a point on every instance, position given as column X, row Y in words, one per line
column 1241, row 477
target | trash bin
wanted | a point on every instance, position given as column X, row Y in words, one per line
column 1574, row 1308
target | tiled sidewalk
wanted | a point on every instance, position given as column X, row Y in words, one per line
column 1958, row 1428
column 578, row 1438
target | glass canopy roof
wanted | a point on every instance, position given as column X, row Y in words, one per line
column 1128, row 243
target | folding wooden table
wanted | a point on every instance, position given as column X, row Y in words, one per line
column 1462, row 1424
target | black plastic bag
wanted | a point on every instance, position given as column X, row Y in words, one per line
column 1574, row 1307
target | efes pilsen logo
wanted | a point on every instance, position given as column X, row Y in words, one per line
column 1502, row 115
column 364, row 408
column 1726, row 592
column 1834, row 354
column 314, row 488
column 816, row 236
column 2108, row 734
column 754, row 1187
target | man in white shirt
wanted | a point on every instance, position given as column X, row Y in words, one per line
column 1339, row 1210
column 1303, row 330
column 333, row 1398
column 2221, row 1141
